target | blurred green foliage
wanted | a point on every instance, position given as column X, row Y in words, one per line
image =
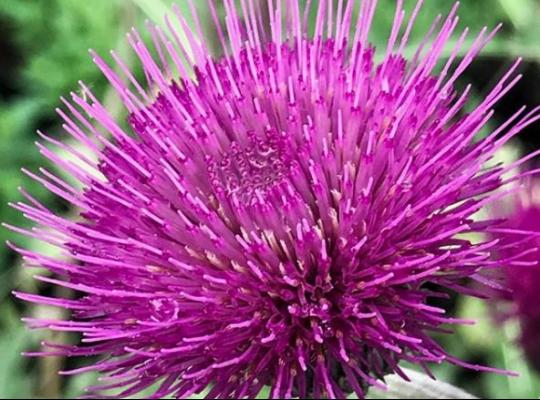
column 45, row 46
column 51, row 39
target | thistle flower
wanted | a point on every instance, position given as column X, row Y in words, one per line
column 523, row 281
column 279, row 216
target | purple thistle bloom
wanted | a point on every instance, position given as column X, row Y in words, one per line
column 279, row 216
column 524, row 281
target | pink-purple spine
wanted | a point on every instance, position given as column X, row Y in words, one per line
column 278, row 212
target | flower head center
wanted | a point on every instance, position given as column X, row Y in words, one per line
column 251, row 168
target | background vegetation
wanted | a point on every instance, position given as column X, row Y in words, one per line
column 43, row 53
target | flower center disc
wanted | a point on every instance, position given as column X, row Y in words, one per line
column 250, row 170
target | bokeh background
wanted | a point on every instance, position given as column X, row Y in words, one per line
column 43, row 53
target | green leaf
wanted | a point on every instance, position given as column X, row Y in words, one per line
column 421, row 386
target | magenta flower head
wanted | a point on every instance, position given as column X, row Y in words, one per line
column 281, row 215
column 523, row 281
